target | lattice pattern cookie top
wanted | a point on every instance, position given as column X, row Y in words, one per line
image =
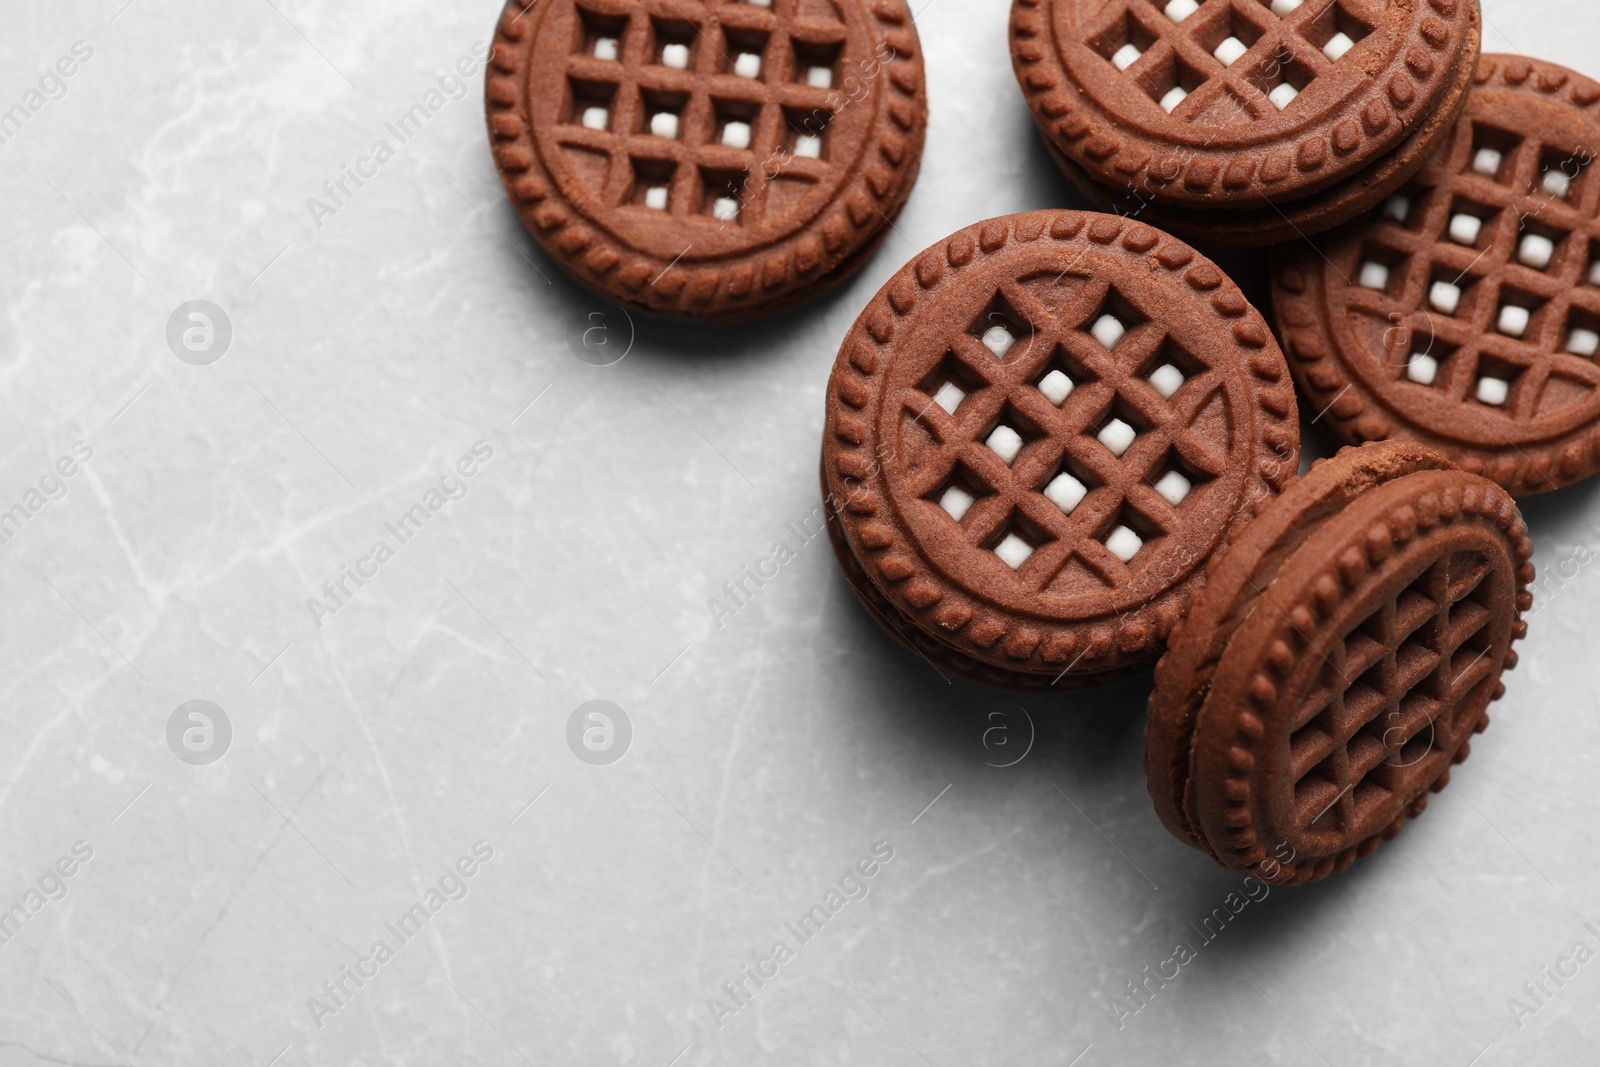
column 1465, row 312
column 707, row 157
column 1235, row 102
column 1039, row 430
column 1339, row 661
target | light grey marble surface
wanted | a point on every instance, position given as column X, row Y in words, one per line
column 373, row 746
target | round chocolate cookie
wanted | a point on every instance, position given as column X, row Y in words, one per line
column 707, row 158
column 1243, row 122
column 1340, row 656
column 1036, row 434
column 1465, row 312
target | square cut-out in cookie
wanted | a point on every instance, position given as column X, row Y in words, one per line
column 1492, row 391
column 1013, row 551
column 675, row 55
column 999, row 339
column 1535, row 250
column 590, row 104
column 1493, row 149
column 1513, row 320
column 1121, row 40
column 1117, row 436
column 1108, row 330
column 1056, row 387
column 652, row 183
column 814, row 64
column 1066, row 492
column 807, row 131
column 1170, row 81
column 1004, row 442
column 1487, row 161
column 1123, row 543
column 742, row 51
column 1230, row 51
column 1555, row 183
column 1173, row 487
column 1000, row 329
column 1373, row 275
column 1338, row 46
column 1178, row 10
column 601, row 35
column 1282, row 95
column 1126, row 56
column 949, row 383
column 1593, row 273
column 672, row 41
column 722, row 194
column 1444, row 297
column 1336, row 30
column 1561, row 172
column 1582, row 341
column 949, row 396
column 664, row 124
column 1166, row 380
column 1464, row 228
column 956, row 501
column 736, row 134
column 1286, row 7
column 1397, row 208
column 1582, row 335
column 1422, row 368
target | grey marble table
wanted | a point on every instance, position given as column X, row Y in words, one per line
column 416, row 846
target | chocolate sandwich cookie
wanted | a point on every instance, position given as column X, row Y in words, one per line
column 1464, row 313
column 707, row 158
column 1036, row 434
column 1337, row 661
column 1243, row 122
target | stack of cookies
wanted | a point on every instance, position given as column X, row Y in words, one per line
column 1243, row 123
column 1062, row 446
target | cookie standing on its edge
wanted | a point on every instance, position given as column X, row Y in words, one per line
column 1038, row 432
column 1287, row 743
column 708, row 158
column 1243, row 122
column 1465, row 313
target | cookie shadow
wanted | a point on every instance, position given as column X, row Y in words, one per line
column 942, row 713
column 1041, row 181
column 1563, row 513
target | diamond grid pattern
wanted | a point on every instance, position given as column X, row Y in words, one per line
column 1279, row 50
column 1378, row 709
column 1477, row 342
column 780, row 106
column 1009, row 498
